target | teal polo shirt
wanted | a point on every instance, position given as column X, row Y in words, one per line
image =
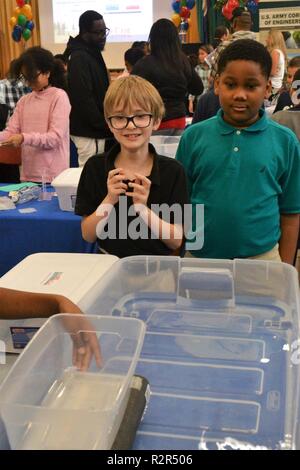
column 245, row 178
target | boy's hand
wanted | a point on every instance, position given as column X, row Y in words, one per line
column 14, row 140
column 115, row 185
column 141, row 189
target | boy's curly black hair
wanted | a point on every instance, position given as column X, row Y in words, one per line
column 246, row 49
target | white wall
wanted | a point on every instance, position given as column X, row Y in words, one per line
column 114, row 52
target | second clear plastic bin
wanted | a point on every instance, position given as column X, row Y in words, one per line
column 46, row 403
column 165, row 145
column 221, row 352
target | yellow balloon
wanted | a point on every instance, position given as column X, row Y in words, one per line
column 17, row 12
column 13, row 21
column 176, row 19
column 26, row 10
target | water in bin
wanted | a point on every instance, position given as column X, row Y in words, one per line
column 46, row 403
column 165, row 144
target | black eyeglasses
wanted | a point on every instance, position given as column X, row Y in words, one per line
column 103, row 33
column 139, row 120
column 24, row 78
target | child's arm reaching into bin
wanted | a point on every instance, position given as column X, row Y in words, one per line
column 17, row 304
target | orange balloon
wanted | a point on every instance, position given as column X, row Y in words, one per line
column 17, row 12
column 13, row 21
column 26, row 10
column 176, row 19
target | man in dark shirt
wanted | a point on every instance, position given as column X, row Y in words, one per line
column 87, row 84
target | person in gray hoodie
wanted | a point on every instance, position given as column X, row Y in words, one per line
column 241, row 24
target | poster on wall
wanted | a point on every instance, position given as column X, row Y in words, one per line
column 128, row 20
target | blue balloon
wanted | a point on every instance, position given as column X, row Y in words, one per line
column 185, row 26
column 190, row 4
column 29, row 25
column 18, row 29
column 16, row 36
column 252, row 6
column 176, row 6
column 17, row 33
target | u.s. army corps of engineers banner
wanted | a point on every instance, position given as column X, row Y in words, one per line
column 280, row 18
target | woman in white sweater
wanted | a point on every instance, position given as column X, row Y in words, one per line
column 276, row 47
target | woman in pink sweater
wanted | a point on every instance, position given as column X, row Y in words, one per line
column 40, row 122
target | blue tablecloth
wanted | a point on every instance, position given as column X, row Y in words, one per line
column 47, row 230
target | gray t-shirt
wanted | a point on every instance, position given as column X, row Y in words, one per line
column 290, row 119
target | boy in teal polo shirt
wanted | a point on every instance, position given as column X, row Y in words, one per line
column 242, row 166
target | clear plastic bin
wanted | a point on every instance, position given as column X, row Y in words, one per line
column 46, row 403
column 165, row 145
column 221, row 351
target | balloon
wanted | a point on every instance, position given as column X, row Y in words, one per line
column 185, row 26
column 26, row 34
column 17, row 33
column 13, row 21
column 227, row 12
column 176, row 19
column 233, row 4
column 29, row 25
column 15, row 38
column 18, row 29
column 190, row 4
column 176, row 6
column 185, row 12
column 252, row 6
column 17, row 11
column 22, row 20
column 26, row 11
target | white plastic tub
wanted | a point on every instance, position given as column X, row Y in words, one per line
column 45, row 403
column 65, row 185
column 69, row 274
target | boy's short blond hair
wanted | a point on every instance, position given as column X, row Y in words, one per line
column 131, row 91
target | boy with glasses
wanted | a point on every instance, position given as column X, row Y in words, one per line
column 121, row 190
column 87, row 84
